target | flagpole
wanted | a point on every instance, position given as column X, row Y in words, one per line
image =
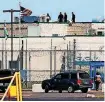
column 19, row 34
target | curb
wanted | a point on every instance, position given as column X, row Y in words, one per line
column 26, row 89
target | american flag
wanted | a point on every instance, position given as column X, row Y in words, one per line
column 25, row 11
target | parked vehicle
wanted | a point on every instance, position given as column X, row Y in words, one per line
column 4, row 83
column 70, row 81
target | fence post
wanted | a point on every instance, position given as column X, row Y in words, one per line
column 6, row 59
column 51, row 60
column 54, row 60
column 74, row 66
column 69, row 55
column 67, row 58
column 2, row 54
column 26, row 62
column 90, row 54
column 5, row 55
column 29, row 66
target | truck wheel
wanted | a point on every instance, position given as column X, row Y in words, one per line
column 84, row 90
column 46, row 89
column 70, row 89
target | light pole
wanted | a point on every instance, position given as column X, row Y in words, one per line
column 11, row 11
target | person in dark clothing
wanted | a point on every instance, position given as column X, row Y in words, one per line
column 65, row 17
column 60, row 17
column 48, row 18
column 97, row 81
column 73, row 17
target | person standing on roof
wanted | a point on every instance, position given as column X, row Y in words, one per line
column 48, row 18
column 73, row 17
column 65, row 17
column 60, row 17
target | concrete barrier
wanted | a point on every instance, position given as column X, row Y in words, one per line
column 37, row 88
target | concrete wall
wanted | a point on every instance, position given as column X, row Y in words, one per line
column 40, row 59
column 47, row 29
column 82, row 43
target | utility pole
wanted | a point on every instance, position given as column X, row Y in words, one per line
column 11, row 11
column 26, row 63
column 2, row 54
column 74, row 54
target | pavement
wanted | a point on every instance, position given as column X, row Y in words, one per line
column 28, row 95
column 97, row 93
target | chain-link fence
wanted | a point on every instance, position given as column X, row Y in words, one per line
column 37, row 65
